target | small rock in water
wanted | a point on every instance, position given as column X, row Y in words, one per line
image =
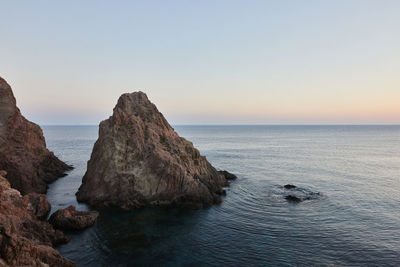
column 289, row 186
column 295, row 199
column 72, row 219
column 292, row 198
column 299, row 194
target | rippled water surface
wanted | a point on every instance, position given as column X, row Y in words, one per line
column 355, row 221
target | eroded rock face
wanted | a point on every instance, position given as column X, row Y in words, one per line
column 72, row 219
column 139, row 160
column 25, row 240
column 23, row 153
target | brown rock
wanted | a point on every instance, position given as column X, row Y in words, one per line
column 71, row 219
column 139, row 160
column 23, row 153
column 16, row 250
column 24, row 239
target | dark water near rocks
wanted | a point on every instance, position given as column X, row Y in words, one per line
column 354, row 222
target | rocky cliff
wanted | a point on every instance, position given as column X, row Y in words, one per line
column 139, row 160
column 26, row 240
column 23, row 153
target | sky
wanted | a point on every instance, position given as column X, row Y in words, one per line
column 205, row 62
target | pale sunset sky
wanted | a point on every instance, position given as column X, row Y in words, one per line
column 205, row 62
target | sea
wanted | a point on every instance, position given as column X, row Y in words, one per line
column 350, row 173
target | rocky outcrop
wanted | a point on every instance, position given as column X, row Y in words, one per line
column 25, row 240
column 23, row 153
column 139, row 160
column 72, row 219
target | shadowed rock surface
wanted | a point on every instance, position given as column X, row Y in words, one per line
column 139, row 160
column 25, row 240
column 23, row 153
column 228, row 175
column 39, row 204
column 72, row 219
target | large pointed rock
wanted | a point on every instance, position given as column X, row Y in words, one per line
column 139, row 160
column 23, row 153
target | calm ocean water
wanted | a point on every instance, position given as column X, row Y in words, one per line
column 355, row 221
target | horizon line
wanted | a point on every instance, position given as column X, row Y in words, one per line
column 253, row 124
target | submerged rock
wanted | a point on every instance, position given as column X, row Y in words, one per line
column 298, row 194
column 25, row 240
column 23, row 153
column 72, row 219
column 289, row 186
column 292, row 198
column 139, row 160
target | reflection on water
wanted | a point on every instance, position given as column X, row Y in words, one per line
column 354, row 222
